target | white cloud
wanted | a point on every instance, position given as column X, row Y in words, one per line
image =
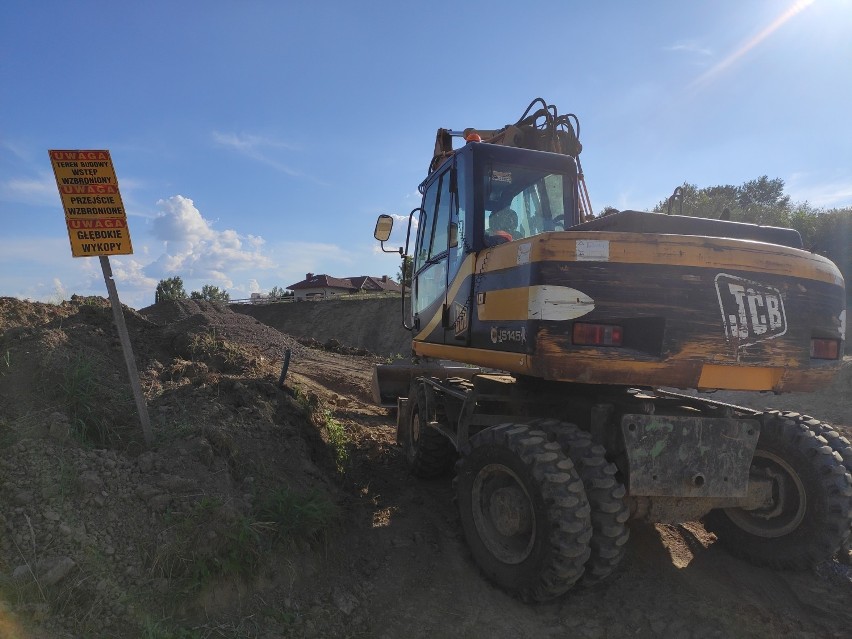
column 40, row 191
column 131, row 274
column 256, row 148
column 180, row 222
column 195, row 250
column 834, row 193
column 59, row 290
column 42, row 269
column 690, row 47
column 248, row 143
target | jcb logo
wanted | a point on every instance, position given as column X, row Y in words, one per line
column 751, row 312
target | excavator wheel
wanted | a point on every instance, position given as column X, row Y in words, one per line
column 837, row 442
column 428, row 452
column 812, row 500
column 840, row 445
column 524, row 511
column 604, row 492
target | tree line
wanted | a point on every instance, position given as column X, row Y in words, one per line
column 171, row 288
column 825, row 231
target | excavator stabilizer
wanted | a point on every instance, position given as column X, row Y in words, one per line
column 391, row 381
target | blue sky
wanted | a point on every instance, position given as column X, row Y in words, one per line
column 257, row 141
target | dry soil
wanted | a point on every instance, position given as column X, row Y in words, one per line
column 102, row 535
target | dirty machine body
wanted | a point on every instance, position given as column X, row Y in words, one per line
column 578, row 344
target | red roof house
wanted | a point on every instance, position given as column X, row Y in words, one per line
column 315, row 287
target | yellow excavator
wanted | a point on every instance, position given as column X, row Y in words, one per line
column 557, row 355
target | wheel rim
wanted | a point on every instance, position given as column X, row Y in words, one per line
column 789, row 500
column 413, row 434
column 503, row 513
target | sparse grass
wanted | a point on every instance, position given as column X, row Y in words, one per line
column 308, row 401
column 207, row 543
column 158, row 629
column 211, row 543
column 335, row 432
column 176, row 424
column 338, row 439
column 20, row 592
column 6, row 363
column 209, row 348
column 78, row 388
column 72, row 598
column 100, row 410
column 298, row 516
column 67, row 480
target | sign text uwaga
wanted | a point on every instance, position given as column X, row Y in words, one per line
column 94, row 212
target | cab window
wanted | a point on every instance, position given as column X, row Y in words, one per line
column 522, row 202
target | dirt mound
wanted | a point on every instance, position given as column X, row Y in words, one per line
column 102, row 536
column 372, row 324
column 265, row 512
column 171, row 311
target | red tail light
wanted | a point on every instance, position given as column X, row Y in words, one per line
column 825, row 348
column 597, row 334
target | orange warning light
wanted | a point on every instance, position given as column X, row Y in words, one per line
column 473, row 137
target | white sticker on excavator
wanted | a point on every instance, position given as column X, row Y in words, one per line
column 592, row 250
column 751, row 312
column 558, row 303
column 524, row 253
column 843, row 324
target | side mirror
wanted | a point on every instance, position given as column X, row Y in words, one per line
column 384, row 225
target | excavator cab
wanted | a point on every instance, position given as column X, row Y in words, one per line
column 482, row 196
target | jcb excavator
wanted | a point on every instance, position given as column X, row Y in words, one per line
column 573, row 339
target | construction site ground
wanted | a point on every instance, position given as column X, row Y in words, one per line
column 262, row 511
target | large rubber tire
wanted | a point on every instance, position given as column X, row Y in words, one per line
column 840, row 445
column 837, row 442
column 604, row 492
column 524, row 511
column 812, row 512
column 428, row 452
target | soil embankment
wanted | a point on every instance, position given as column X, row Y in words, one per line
column 372, row 324
column 266, row 512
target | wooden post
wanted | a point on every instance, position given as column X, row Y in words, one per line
column 129, row 360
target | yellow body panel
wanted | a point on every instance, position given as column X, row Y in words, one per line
column 703, row 358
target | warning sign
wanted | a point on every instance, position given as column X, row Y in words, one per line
column 94, row 213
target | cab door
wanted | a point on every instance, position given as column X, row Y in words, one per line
column 429, row 283
column 460, row 263
column 443, row 263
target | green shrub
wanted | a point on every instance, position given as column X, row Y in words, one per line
column 294, row 516
column 338, row 439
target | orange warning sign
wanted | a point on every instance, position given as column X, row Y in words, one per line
column 94, row 212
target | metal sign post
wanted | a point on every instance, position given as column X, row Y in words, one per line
column 129, row 359
column 97, row 225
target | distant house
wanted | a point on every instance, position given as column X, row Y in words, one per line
column 325, row 287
